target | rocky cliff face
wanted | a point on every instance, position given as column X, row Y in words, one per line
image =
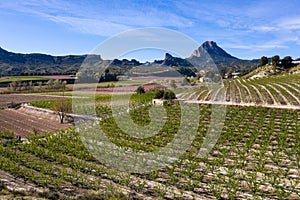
column 174, row 61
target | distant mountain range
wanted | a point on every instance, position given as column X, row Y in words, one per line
column 42, row 64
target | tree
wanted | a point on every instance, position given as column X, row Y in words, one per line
column 159, row 94
column 62, row 107
column 263, row 61
column 50, row 84
column 63, row 85
column 13, row 86
column 168, row 95
column 275, row 60
column 30, row 86
column 185, row 81
column 165, row 94
column 24, row 86
column 173, row 84
column 140, row 90
column 40, row 84
column 286, row 62
column 19, row 84
column 57, row 84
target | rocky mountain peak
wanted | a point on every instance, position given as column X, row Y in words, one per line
column 212, row 49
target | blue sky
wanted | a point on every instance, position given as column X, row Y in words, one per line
column 245, row 29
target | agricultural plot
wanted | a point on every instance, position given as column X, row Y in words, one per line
column 256, row 157
column 6, row 99
column 24, row 124
column 273, row 91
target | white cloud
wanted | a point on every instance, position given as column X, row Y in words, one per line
column 98, row 20
column 292, row 23
column 257, row 47
column 264, row 28
column 90, row 26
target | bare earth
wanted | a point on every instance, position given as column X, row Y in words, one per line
column 25, row 122
column 6, row 99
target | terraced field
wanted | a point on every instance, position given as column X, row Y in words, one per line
column 276, row 91
column 256, row 157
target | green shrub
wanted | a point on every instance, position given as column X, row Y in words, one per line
column 140, row 90
column 6, row 134
column 165, row 94
column 159, row 94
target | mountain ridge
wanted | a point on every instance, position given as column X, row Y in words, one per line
column 44, row 64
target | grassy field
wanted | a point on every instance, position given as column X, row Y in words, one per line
column 7, row 79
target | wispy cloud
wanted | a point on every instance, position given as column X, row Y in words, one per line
column 99, row 20
column 291, row 23
column 258, row 47
column 257, row 25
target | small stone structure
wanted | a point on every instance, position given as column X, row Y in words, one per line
column 158, row 101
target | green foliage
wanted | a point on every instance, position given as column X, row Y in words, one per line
column 140, row 90
column 165, row 94
column 49, row 103
column 168, row 94
column 43, row 103
column 159, row 94
column 4, row 134
column 286, row 62
column 258, row 147
column 8, row 79
column 141, row 98
column 102, row 97
column 275, row 60
column 263, row 61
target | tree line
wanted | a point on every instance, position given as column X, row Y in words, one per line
column 285, row 63
column 52, row 84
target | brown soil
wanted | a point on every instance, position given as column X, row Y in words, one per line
column 6, row 99
column 24, row 122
